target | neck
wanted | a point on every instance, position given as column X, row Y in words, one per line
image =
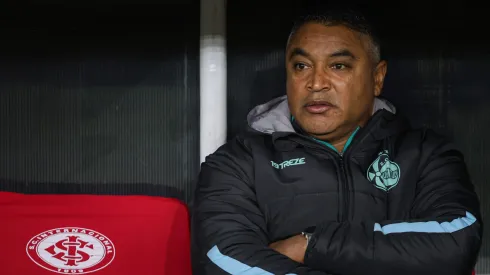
column 339, row 142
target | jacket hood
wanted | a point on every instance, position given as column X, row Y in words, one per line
column 274, row 116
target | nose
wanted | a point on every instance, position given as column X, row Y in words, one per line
column 319, row 81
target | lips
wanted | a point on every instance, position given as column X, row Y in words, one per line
column 318, row 107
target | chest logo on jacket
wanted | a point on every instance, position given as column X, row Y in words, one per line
column 383, row 172
column 287, row 163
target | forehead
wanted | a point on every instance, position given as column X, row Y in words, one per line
column 320, row 39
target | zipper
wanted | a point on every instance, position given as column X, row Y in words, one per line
column 344, row 206
column 344, row 193
column 344, row 196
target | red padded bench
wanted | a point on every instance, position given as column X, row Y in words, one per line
column 93, row 234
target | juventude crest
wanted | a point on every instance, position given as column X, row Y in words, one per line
column 383, row 172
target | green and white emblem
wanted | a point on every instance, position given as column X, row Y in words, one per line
column 383, row 172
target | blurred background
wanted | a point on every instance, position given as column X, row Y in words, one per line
column 105, row 98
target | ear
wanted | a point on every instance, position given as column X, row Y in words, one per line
column 379, row 77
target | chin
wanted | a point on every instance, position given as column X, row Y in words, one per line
column 318, row 127
column 321, row 134
column 315, row 125
column 319, row 131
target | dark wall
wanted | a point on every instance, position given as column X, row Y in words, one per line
column 438, row 74
column 100, row 95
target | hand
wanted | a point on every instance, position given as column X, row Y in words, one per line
column 293, row 248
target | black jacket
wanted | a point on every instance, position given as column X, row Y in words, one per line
column 396, row 201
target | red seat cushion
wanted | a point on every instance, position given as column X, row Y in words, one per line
column 80, row 234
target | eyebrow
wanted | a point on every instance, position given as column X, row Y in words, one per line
column 343, row 53
column 300, row 52
column 339, row 53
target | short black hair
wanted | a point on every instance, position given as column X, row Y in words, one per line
column 347, row 16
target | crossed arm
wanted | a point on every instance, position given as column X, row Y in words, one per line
column 230, row 231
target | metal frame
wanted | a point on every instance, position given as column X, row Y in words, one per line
column 213, row 110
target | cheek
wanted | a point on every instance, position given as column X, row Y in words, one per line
column 343, row 90
column 292, row 94
column 353, row 90
column 290, row 84
column 290, row 90
column 295, row 89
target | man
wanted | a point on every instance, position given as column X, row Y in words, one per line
column 330, row 179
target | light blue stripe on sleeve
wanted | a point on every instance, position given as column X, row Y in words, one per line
column 233, row 266
column 427, row 227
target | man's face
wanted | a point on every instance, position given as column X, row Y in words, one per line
column 331, row 79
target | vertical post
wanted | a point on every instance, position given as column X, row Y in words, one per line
column 212, row 76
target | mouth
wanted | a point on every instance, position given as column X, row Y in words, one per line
column 318, row 106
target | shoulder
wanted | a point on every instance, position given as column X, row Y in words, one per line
column 240, row 146
column 426, row 140
column 235, row 157
column 431, row 142
column 434, row 151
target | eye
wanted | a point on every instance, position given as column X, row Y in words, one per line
column 300, row 66
column 339, row 66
